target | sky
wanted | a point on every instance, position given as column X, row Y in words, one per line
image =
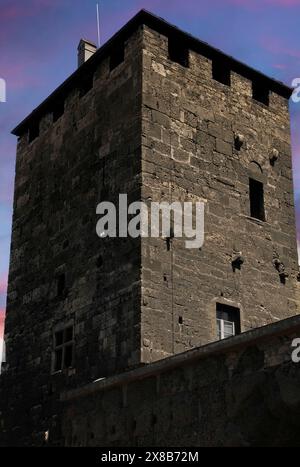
column 38, row 50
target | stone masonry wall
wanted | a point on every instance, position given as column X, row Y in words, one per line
column 158, row 132
column 239, row 392
column 91, row 154
column 189, row 126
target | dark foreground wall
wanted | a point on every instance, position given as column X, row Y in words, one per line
column 239, row 392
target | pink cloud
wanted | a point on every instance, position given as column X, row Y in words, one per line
column 31, row 8
column 285, row 56
column 192, row 4
column 261, row 3
column 3, row 285
column 2, row 319
column 276, row 46
column 12, row 12
column 280, row 66
column 283, row 2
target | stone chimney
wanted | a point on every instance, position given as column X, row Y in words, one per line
column 85, row 50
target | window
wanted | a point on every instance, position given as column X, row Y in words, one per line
column 61, row 285
column 86, row 85
column 228, row 321
column 256, row 195
column 63, row 349
column 34, row 131
column 58, row 110
column 221, row 72
column 117, row 57
column 260, row 93
column 178, row 53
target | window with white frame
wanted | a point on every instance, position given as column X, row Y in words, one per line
column 228, row 321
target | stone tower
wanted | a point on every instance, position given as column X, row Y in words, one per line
column 160, row 116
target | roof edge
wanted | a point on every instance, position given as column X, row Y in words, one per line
column 245, row 340
column 144, row 17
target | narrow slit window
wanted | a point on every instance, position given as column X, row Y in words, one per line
column 117, row 57
column 63, row 349
column 61, row 285
column 58, row 360
column 178, row 52
column 228, row 321
column 221, row 72
column 261, row 93
column 58, row 110
column 34, row 131
column 256, row 195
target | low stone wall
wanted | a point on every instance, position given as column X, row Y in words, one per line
column 239, row 392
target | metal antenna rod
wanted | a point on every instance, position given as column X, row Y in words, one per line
column 98, row 25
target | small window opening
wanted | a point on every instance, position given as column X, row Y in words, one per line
column 153, row 420
column 228, row 321
column 61, row 220
column 117, row 57
column 58, row 110
column 133, row 425
column 86, row 85
column 256, row 195
column 221, row 72
column 180, row 320
column 34, row 131
column 61, row 285
column 178, row 52
column 64, row 349
column 261, row 93
column 99, row 261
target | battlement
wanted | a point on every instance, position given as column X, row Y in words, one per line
column 180, row 44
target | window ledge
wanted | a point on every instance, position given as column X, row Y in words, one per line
column 254, row 220
column 67, row 372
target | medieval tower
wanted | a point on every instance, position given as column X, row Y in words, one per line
column 160, row 116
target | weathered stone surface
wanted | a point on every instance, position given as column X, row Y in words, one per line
column 205, row 164
column 162, row 132
column 91, row 154
column 230, row 393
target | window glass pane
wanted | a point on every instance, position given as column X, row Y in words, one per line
column 68, row 356
column 69, row 334
column 228, row 329
column 232, row 316
column 219, row 328
column 58, row 338
column 58, row 360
